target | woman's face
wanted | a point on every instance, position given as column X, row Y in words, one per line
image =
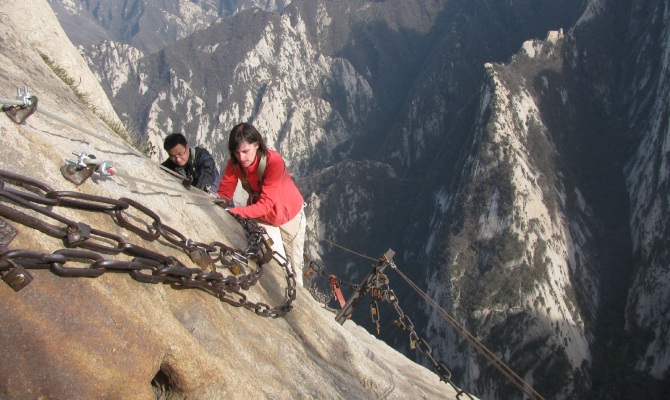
column 246, row 153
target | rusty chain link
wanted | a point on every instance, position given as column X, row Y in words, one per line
column 380, row 290
column 83, row 243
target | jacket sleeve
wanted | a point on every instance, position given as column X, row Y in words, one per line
column 265, row 208
column 206, row 168
column 228, row 182
column 169, row 164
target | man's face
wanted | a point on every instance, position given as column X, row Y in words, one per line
column 179, row 154
column 246, row 153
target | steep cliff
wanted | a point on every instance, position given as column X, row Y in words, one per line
column 645, row 97
column 118, row 337
column 146, row 25
column 522, row 181
column 555, row 211
column 517, row 261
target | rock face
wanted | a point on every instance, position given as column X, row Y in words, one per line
column 115, row 337
column 147, row 25
column 647, row 95
column 529, row 197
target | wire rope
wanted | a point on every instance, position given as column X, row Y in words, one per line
column 500, row 365
column 123, row 146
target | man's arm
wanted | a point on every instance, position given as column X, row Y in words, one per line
column 206, row 170
column 168, row 164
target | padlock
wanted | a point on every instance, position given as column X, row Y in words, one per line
column 17, row 277
column 200, row 257
column 7, row 233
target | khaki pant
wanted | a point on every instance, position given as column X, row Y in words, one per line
column 292, row 237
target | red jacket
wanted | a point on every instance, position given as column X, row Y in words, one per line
column 280, row 199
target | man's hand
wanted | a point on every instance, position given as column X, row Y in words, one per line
column 224, row 202
column 187, row 182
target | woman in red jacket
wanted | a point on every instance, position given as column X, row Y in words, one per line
column 274, row 199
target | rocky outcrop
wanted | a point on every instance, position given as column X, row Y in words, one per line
column 534, row 208
column 146, row 25
column 41, row 29
column 113, row 336
column 515, row 251
column 647, row 95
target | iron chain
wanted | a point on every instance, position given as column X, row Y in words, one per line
column 380, row 290
column 83, row 243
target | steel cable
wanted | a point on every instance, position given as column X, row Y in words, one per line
column 479, row 346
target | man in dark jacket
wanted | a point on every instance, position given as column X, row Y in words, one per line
column 196, row 165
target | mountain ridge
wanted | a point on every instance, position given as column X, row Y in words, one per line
column 516, row 170
column 115, row 336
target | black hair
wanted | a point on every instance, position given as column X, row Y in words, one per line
column 245, row 133
column 174, row 139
